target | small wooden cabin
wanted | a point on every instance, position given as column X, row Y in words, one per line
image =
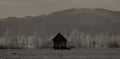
column 59, row 42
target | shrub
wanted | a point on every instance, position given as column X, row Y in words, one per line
column 114, row 44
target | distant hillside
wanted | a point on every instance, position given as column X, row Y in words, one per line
column 85, row 19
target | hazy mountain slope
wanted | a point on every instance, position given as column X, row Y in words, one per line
column 85, row 19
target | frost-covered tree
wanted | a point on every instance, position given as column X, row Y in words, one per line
column 74, row 38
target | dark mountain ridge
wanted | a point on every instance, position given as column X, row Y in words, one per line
column 85, row 20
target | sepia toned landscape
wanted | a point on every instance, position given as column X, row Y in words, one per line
column 52, row 29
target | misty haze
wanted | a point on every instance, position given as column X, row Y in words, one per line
column 69, row 29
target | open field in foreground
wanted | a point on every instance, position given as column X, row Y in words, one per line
column 60, row 54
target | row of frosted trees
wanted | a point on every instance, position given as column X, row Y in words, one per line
column 102, row 40
column 76, row 39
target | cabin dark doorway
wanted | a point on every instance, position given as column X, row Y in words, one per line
column 59, row 42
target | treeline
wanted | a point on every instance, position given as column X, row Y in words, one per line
column 76, row 39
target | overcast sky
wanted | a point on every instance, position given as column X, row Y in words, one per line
column 21, row 8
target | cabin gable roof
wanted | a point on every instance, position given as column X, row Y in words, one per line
column 59, row 37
